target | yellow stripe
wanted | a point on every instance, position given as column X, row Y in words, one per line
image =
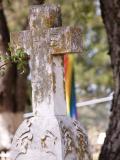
column 68, row 82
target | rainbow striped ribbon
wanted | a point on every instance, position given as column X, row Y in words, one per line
column 70, row 86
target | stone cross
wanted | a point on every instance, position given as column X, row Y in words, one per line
column 49, row 134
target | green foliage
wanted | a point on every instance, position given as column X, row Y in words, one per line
column 19, row 58
column 16, row 13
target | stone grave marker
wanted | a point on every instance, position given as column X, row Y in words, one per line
column 49, row 133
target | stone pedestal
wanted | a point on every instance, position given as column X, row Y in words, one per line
column 52, row 138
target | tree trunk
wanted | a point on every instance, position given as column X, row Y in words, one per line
column 111, row 17
column 12, row 99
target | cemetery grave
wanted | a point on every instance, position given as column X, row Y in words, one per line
column 49, row 133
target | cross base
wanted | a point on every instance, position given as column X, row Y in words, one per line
column 52, row 138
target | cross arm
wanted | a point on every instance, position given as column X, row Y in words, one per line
column 65, row 40
column 21, row 40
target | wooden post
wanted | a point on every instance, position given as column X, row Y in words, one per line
column 49, row 134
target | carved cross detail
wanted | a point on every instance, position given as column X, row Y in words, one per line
column 47, row 43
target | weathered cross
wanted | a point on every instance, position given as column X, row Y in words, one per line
column 48, row 43
column 49, row 134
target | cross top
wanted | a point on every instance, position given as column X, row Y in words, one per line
column 47, row 42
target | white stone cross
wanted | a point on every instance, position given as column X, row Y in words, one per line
column 48, row 43
column 49, row 134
